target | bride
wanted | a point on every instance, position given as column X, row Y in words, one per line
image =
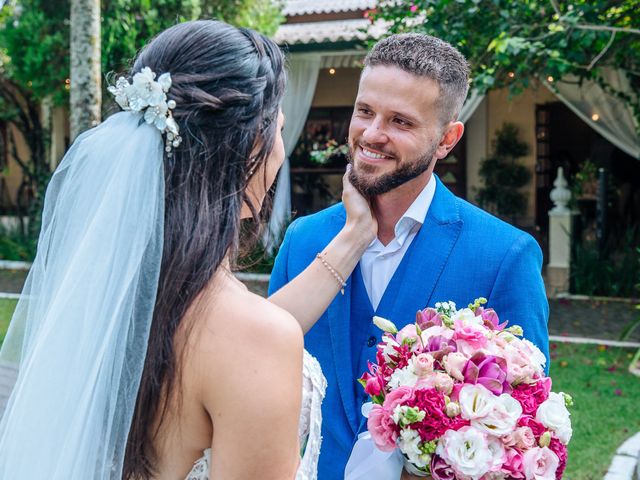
column 139, row 355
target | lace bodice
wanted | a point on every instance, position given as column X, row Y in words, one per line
column 313, row 388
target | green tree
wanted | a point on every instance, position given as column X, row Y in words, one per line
column 503, row 177
column 35, row 59
column 35, row 34
column 510, row 43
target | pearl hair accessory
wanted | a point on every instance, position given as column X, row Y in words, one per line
column 148, row 95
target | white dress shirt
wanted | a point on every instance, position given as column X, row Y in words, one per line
column 379, row 262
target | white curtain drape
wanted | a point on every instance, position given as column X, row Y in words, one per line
column 301, row 86
column 608, row 115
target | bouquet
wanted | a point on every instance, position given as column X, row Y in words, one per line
column 463, row 397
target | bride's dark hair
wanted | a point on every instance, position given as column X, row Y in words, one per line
column 228, row 84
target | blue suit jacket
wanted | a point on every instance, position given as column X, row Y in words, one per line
column 460, row 253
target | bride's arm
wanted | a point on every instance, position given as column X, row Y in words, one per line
column 309, row 294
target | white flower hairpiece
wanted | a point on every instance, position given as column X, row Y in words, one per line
column 147, row 94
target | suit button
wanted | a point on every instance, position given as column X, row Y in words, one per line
column 372, row 341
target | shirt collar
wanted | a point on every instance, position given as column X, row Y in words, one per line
column 415, row 215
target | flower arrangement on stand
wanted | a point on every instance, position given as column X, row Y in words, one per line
column 464, row 397
column 331, row 149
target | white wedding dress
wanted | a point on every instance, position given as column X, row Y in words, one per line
column 313, row 388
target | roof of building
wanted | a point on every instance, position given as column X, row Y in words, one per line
column 310, row 7
column 327, row 32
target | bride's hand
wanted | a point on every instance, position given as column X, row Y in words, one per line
column 359, row 215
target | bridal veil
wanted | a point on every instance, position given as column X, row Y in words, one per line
column 79, row 333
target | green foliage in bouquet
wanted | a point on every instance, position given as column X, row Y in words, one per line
column 503, row 176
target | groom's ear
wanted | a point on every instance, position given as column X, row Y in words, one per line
column 450, row 137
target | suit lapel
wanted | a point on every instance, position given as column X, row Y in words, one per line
column 414, row 282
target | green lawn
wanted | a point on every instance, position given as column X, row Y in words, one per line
column 606, row 404
column 605, row 394
column 6, row 310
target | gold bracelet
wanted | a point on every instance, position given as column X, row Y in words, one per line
column 333, row 272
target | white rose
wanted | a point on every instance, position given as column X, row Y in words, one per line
column 403, row 377
column 476, row 401
column 554, row 415
column 466, row 450
column 502, row 418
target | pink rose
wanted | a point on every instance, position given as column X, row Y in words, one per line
column 508, row 440
column 438, row 380
column 423, row 364
column 396, row 397
column 513, row 466
column 532, row 395
column 560, row 449
column 469, row 333
column 410, row 335
column 524, row 438
column 382, row 428
column 540, row 464
column 453, row 365
column 428, row 318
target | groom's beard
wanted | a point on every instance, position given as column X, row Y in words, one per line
column 370, row 185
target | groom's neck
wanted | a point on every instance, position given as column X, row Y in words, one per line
column 391, row 206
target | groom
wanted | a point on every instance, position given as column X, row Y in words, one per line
column 431, row 245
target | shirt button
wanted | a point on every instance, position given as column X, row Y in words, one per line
column 372, row 341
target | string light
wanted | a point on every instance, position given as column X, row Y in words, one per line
column 550, row 79
column 511, row 74
column 332, row 71
column 595, row 117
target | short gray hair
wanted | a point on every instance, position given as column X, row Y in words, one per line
column 426, row 56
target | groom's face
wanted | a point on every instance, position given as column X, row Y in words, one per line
column 395, row 130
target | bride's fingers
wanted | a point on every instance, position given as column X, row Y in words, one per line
column 356, row 205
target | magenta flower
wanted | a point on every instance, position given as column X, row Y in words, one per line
column 441, row 470
column 532, row 395
column 428, row 318
column 374, row 384
column 488, row 371
column 490, row 318
column 440, row 346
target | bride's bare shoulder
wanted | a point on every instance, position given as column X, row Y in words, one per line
column 232, row 315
